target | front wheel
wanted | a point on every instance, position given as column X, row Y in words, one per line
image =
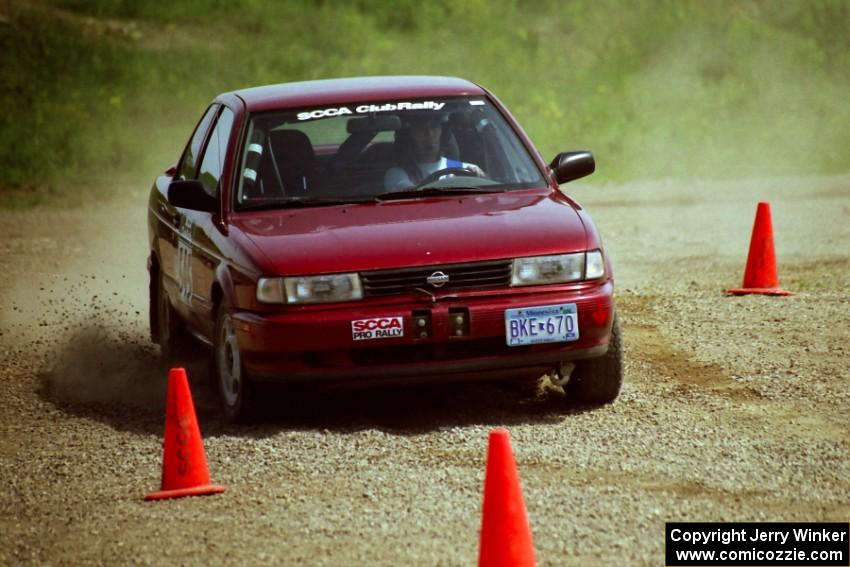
column 598, row 380
column 235, row 390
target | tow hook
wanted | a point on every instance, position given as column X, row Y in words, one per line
column 563, row 373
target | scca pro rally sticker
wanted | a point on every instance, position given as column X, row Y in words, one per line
column 380, row 328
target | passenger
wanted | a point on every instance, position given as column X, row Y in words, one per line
column 426, row 132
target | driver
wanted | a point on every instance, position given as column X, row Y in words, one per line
column 425, row 137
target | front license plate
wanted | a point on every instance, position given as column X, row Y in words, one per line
column 545, row 324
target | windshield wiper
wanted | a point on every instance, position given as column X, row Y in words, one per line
column 430, row 191
column 294, row 202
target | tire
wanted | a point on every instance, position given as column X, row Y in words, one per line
column 598, row 381
column 171, row 333
column 235, row 390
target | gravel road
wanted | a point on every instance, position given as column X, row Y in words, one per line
column 734, row 408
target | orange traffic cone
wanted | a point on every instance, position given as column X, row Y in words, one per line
column 505, row 533
column 760, row 275
column 184, row 465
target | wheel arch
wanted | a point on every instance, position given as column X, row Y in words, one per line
column 222, row 289
column 153, row 296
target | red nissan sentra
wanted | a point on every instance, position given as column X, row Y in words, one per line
column 375, row 229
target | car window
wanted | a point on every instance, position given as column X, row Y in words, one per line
column 189, row 161
column 211, row 165
column 364, row 151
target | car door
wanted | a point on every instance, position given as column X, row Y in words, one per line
column 201, row 230
column 172, row 240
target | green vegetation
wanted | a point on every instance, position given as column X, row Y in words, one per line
column 105, row 92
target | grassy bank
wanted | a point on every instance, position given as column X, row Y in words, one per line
column 102, row 90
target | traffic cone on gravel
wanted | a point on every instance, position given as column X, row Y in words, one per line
column 760, row 275
column 505, row 533
column 184, row 464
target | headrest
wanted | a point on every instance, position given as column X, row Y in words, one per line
column 291, row 145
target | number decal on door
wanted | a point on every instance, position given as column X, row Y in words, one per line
column 184, row 262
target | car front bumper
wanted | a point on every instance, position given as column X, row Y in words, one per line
column 317, row 345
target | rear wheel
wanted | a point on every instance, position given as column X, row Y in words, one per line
column 598, row 380
column 235, row 389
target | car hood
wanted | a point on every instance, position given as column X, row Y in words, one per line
column 412, row 232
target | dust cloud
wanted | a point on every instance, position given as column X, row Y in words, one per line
column 732, row 104
column 84, row 314
column 94, row 367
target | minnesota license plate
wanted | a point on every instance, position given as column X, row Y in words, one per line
column 545, row 324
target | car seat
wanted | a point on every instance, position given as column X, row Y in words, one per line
column 293, row 161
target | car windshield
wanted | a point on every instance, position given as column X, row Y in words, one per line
column 385, row 150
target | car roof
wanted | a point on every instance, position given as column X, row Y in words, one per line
column 355, row 89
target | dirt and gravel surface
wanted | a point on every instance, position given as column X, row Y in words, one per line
column 734, row 408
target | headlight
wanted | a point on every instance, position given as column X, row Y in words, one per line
column 558, row 269
column 595, row 265
column 309, row 289
column 270, row 290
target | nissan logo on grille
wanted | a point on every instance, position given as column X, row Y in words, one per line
column 438, row 279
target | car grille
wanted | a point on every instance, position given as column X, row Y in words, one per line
column 461, row 276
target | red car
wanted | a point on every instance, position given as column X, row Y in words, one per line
column 374, row 229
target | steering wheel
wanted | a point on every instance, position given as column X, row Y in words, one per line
column 459, row 171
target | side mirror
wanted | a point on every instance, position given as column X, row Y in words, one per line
column 572, row 165
column 190, row 194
